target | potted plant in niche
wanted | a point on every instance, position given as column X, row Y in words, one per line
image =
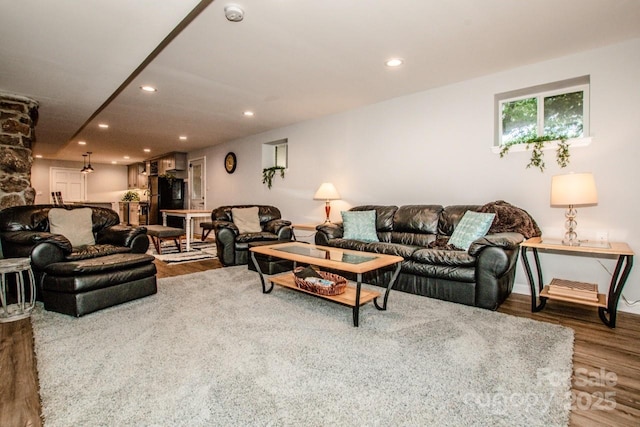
column 269, row 173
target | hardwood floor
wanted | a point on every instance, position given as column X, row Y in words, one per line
column 606, row 383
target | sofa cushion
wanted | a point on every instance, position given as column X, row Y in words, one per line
column 360, row 225
column 451, row 216
column 417, row 219
column 74, row 224
column 94, row 251
column 472, row 226
column 404, row 251
column 444, row 257
column 256, row 237
column 384, row 215
column 246, row 219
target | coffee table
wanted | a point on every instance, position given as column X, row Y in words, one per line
column 357, row 262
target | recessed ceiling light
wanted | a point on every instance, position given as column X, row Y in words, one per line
column 125, row 157
column 82, row 143
column 395, row 62
column 103, row 126
column 113, row 162
column 38, row 156
column 147, row 150
column 148, row 88
column 248, row 113
column 183, row 138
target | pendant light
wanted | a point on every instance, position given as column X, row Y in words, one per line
column 84, row 164
column 89, row 168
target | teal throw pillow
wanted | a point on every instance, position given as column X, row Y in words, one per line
column 472, row 226
column 360, row 225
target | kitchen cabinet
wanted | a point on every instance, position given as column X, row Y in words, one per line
column 136, row 176
column 172, row 162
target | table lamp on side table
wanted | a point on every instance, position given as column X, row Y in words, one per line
column 327, row 192
column 571, row 190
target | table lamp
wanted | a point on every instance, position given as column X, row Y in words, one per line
column 571, row 190
column 327, row 192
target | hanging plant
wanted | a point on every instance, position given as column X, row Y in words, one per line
column 268, row 174
column 537, row 154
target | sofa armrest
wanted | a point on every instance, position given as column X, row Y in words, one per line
column 119, row 235
column 17, row 244
column 331, row 230
column 44, row 248
column 221, row 224
column 275, row 225
column 499, row 240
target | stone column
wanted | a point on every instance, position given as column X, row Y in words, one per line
column 18, row 119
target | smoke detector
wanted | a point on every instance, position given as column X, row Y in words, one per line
column 233, row 13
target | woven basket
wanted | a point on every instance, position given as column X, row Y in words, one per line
column 338, row 287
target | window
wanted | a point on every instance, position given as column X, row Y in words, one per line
column 553, row 111
column 275, row 153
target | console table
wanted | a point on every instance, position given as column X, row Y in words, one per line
column 188, row 215
column 607, row 303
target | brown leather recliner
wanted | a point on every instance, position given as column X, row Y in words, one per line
column 83, row 279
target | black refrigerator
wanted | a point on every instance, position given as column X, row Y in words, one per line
column 165, row 194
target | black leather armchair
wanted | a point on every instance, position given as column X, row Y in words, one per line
column 233, row 247
column 79, row 280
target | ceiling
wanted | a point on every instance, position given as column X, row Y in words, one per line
column 287, row 61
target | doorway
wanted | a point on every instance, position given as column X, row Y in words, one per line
column 197, row 187
column 71, row 183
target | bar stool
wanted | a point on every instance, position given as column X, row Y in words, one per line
column 22, row 309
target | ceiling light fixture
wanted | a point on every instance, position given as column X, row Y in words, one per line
column 38, row 156
column 182, row 138
column 82, row 143
column 234, row 13
column 248, row 113
column 87, row 168
column 103, row 126
column 125, row 157
column 395, row 62
column 147, row 150
column 148, row 88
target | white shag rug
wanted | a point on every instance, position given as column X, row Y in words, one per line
column 211, row 349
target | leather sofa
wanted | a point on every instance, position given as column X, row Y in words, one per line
column 233, row 246
column 482, row 276
column 83, row 279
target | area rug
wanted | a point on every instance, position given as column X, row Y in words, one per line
column 211, row 349
column 200, row 251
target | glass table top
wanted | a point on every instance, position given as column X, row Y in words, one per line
column 333, row 255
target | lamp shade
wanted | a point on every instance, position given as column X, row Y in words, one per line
column 576, row 189
column 327, row 191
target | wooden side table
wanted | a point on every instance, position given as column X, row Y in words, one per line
column 607, row 303
column 306, row 227
column 22, row 309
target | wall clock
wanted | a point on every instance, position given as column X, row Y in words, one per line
column 230, row 162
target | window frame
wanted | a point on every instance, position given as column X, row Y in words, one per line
column 579, row 84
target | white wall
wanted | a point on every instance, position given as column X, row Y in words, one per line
column 435, row 147
column 107, row 184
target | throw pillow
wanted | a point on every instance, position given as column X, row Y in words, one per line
column 74, row 224
column 246, row 219
column 472, row 226
column 360, row 225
